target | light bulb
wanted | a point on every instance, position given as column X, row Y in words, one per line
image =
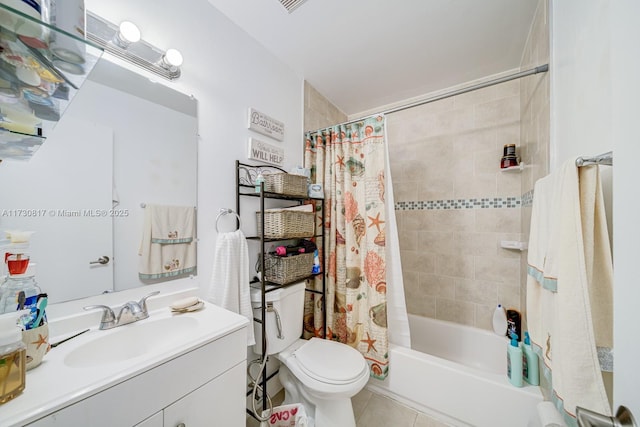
column 172, row 57
column 128, row 33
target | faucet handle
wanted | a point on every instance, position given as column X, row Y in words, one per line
column 108, row 316
column 143, row 301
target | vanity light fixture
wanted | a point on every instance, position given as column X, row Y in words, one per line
column 124, row 41
column 128, row 33
column 171, row 60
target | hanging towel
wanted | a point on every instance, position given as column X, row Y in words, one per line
column 229, row 286
column 168, row 246
column 569, row 324
column 172, row 224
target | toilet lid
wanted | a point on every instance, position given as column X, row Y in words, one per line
column 330, row 361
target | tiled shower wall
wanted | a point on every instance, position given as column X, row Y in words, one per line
column 454, row 205
column 534, row 120
column 319, row 112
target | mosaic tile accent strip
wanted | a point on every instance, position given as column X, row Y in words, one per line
column 527, row 199
column 483, row 203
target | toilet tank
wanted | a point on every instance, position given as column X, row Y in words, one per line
column 288, row 303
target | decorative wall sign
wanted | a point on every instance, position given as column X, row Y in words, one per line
column 266, row 125
column 265, row 152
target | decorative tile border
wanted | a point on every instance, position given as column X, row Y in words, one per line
column 483, row 203
column 527, row 199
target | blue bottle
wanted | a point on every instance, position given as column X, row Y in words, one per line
column 530, row 368
column 514, row 362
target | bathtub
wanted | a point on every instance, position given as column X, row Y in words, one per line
column 457, row 374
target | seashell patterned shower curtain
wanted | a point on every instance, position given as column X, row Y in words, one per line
column 349, row 160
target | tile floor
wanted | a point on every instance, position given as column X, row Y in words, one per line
column 374, row 410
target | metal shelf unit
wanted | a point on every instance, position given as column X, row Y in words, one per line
column 246, row 175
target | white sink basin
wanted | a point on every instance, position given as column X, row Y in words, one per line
column 129, row 341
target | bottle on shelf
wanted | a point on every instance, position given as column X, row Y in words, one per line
column 259, row 180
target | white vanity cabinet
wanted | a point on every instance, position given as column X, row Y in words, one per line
column 201, row 388
column 207, row 406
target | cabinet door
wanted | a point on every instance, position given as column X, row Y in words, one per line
column 220, row 402
column 156, row 420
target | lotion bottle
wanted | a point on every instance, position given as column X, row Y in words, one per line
column 530, row 368
column 514, row 362
column 259, row 180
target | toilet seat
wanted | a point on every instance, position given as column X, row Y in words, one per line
column 330, row 362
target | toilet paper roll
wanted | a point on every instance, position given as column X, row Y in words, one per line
column 549, row 415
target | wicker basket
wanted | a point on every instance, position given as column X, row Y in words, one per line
column 286, row 224
column 285, row 183
column 283, row 270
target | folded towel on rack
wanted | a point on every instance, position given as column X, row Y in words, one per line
column 168, row 246
column 229, row 286
column 568, row 325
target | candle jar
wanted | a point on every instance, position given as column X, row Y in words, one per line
column 509, row 150
column 508, row 161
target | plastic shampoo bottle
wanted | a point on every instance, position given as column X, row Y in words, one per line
column 514, row 362
column 530, row 369
column 499, row 320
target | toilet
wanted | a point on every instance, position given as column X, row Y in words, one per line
column 321, row 374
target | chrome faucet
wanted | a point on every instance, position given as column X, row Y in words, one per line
column 130, row 312
column 587, row 418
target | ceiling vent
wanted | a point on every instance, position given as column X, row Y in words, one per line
column 291, row 5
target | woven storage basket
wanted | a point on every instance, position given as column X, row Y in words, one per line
column 287, row 269
column 285, row 183
column 285, row 224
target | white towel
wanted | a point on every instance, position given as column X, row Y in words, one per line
column 569, row 324
column 229, row 287
column 168, row 246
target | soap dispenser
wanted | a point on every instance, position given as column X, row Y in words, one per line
column 514, row 362
column 530, row 368
column 13, row 356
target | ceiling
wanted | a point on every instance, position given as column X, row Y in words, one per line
column 365, row 54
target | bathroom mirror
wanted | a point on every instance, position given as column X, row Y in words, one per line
column 124, row 142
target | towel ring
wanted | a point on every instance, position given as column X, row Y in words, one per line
column 223, row 212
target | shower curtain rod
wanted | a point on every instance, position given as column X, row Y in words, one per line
column 539, row 69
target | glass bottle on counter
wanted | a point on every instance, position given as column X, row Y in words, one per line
column 13, row 358
column 20, row 292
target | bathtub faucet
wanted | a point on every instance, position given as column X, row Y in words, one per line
column 587, row 418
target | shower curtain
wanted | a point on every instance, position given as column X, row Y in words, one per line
column 350, row 161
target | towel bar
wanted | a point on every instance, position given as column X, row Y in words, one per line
column 223, row 212
column 602, row 159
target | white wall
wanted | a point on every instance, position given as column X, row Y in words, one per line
column 580, row 79
column 625, row 69
column 594, row 94
column 227, row 72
